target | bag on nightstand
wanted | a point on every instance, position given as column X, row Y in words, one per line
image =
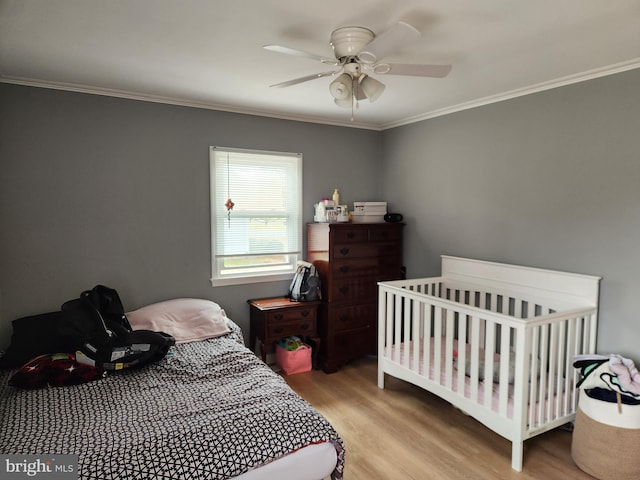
column 305, row 286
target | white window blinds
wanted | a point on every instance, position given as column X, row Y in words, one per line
column 256, row 199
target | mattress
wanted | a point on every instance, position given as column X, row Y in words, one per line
column 210, row 410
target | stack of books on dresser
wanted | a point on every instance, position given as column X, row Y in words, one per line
column 368, row 212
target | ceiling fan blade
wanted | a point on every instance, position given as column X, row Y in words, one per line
column 295, row 81
column 299, row 53
column 389, row 42
column 437, row 71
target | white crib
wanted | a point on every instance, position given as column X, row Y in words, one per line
column 519, row 326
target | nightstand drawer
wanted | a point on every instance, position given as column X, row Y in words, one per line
column 290, row 314
column 303, row 327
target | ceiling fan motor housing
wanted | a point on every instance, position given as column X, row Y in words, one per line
column 349, row 41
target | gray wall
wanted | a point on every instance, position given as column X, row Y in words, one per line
column 104, row 190
column 549, row 180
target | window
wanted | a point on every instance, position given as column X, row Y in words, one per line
column 259, row 236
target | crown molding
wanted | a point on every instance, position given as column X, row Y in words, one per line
column 71, row 87
column 520, row 92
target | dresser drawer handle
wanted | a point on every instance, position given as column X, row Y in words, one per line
column 278, row 330
column 350, row 234
column 344, row 250
column 278, row 316
column 344, row 290
column 304, row 326
column 305, row 313
column 344, row 268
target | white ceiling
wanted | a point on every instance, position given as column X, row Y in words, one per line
column 209, row 53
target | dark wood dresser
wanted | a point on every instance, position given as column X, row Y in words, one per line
column 351, row 259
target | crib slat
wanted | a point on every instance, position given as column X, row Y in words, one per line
column 416, row 335
column 448, row 351
column 461, row 348
column 533, row 375
column 437, row 342
column 553, row 368
column 390, row 299
column 397, row 321
column 505, row 354
column 428, row 335
column 477, row 324
column 405, row 311
column 561, row 369
column 544, row 361
column 489, row 348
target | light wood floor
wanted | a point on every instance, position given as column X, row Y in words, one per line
column 403, row 432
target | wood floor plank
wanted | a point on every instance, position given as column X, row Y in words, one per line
column 403, row 432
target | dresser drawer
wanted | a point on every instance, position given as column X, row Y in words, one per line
column 354, row 343
column 349, row 234
column 385, row 234
column 366, row 266
column 352, row 317
column 353, row 289
column 389, row 267
column 282, row 329
column 290, row 314
column 371, row 249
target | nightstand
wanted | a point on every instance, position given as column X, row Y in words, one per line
column 275, row 318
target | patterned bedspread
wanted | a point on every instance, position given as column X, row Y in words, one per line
column 209, row 410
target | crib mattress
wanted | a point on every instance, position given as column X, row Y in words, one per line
column 398, row 351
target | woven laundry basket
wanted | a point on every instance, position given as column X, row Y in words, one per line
column 606, row 443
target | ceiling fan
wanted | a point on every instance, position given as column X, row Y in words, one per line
column 358, row 53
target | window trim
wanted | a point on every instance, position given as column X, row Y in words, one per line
column 254, row 278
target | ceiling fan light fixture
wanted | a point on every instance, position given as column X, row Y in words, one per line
column 344, row 103
column 348, row 41
column 341, row 87
column 371, row 87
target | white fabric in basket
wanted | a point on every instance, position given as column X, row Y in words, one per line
column 608, row 413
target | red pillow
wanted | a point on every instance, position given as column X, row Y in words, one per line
column 56, row 369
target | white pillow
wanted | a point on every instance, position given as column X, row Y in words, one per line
column 186, row 319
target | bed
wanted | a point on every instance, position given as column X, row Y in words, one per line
column 209, row 410
column 495, row 340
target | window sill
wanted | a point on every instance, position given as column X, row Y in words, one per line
column 221, row 282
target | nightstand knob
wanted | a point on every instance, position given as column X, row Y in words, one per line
column 344, row 290
column 344, row 268
column 305, row 313
column 351, row 234
column 278, row 330
column 278, row 316
column 344, row 250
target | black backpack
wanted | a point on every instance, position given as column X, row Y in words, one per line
column 95, row 323
column 305, row 286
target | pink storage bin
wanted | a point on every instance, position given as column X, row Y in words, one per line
column 294, row 361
